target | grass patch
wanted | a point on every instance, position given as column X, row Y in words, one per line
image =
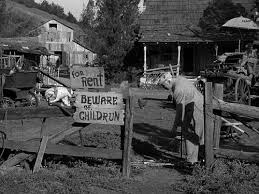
column 81, row 178
column 223, row 177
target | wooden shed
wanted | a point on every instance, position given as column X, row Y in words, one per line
column 167, row 38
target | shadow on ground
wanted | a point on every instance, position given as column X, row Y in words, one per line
column 155, row 143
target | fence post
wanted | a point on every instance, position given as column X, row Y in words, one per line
column 128, row 133
column 208, row 124
column 218, row 93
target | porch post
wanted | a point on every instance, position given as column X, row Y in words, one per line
column 145, row 59
column 216, row 50
column 239, row 45
column 178, row 60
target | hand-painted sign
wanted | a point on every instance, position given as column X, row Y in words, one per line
column 99, row 100
column 99, row 115
column 87, row 77
column 99, row 107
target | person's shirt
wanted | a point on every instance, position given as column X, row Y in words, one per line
column 184, row 92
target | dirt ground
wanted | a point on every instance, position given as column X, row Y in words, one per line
column 152, row 126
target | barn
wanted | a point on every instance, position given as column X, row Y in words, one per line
column 60, row 39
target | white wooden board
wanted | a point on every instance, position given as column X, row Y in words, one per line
column 100, row 116
column 99, row 100
column 87, row 77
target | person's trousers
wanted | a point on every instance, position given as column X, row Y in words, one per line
column 192, row 151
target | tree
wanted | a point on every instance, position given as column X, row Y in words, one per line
column 117, row 30
column 88, row 15
column 57, row 10
column 71, row 18
column 216, row 14
column 44, row 5
column 2, row 13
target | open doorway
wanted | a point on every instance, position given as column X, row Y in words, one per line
column 59, row 59
column 188, row 61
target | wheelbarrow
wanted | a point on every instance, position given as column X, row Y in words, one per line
column 18, row 89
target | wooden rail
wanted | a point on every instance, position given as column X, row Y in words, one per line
column 9, row 61
column 47, row 144
column 162, row 68
column 212, row 134
column 20, row 113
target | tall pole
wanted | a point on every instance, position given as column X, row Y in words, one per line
column 178, row 60
column 239, row 45
column 145, row 59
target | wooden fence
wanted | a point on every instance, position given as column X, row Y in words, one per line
column 48, row 143
column 10, row 61
column 214, row 107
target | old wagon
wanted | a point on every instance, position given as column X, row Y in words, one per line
column 18, row 88
column 239, row 84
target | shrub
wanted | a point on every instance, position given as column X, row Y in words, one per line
column 224, row 177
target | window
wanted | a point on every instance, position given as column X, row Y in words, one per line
column 51, row 26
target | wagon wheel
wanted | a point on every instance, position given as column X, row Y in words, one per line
column 7, row 102
column 32, row 100
column 242, row 92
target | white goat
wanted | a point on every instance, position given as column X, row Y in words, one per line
column 57, row 94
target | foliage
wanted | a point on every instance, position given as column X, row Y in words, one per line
column 224, row 177
column 88, row 15
column 216, row 14
column 51, row 8
column 115, row 30
column 71, row 18
column 28, row 3
column 82, row 178
column 15, row 23
column 2, row 13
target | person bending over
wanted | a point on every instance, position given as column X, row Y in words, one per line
column 189, row 113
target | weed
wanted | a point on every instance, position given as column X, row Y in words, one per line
column 223, row 177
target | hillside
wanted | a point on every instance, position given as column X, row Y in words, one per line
column 39, row 16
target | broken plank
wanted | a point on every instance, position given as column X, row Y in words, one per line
column 15, row 160
column 58, row 149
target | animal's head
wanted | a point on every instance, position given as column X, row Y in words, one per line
column 50, row 94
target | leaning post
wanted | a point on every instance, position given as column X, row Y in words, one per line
column 208, row 124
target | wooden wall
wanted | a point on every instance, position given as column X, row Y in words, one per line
column 60, row 34
column 60, row 39
column 80, row 55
